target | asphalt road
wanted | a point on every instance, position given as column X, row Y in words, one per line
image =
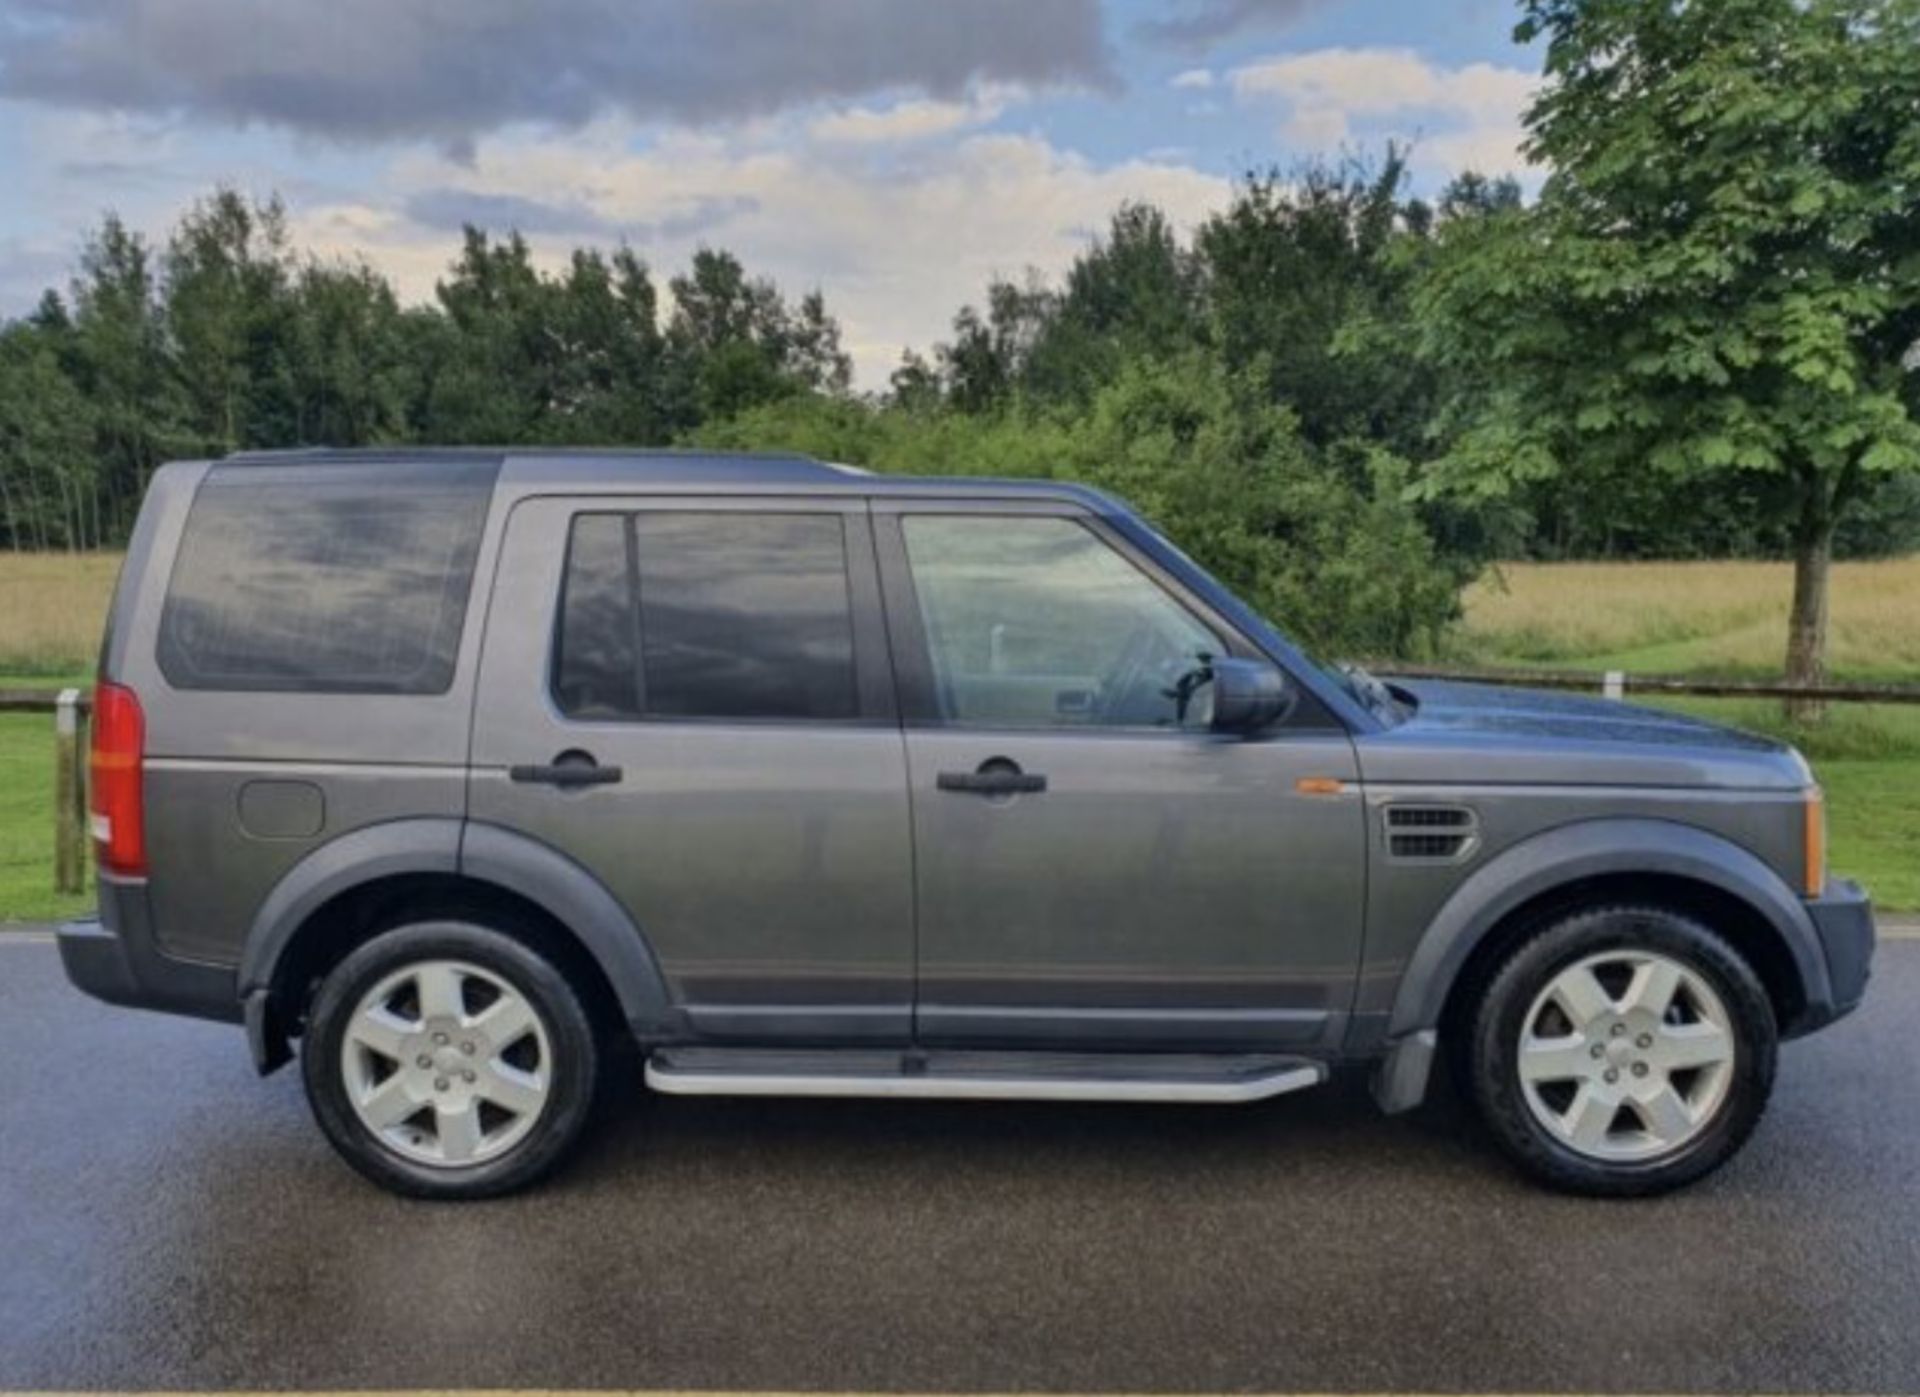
column 169, row 1221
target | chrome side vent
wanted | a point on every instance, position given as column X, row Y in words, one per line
column 1430, row 833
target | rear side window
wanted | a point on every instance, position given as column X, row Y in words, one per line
column 325, row 579
column 680, row 614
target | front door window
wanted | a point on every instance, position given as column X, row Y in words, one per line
column 1035, row 622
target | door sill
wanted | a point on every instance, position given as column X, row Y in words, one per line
column 1193, row 1078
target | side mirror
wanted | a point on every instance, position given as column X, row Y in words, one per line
column 1248, row 695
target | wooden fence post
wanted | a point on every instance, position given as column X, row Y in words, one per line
column 69, row 796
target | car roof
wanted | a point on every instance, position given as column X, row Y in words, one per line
column 682, row 470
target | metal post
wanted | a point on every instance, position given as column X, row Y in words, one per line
column 1614, row 685
column 69, row 796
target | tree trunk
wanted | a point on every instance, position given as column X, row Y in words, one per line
column 1807, row 623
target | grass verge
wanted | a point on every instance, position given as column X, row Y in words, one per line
column 26, row 823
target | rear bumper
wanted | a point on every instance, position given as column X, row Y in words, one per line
column 114, row 957
column 1843, row 918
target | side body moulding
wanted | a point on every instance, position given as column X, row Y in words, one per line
column 1555, row 859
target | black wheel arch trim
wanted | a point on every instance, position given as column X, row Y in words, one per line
column 579, row 901
column 1571, row 854
column 486, row 853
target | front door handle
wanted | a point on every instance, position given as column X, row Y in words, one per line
column 994, row 777
column 570, row 768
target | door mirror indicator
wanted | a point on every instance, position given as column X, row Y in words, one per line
column 1248, row 695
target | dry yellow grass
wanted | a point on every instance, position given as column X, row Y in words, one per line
column 52, row 609
column 1719, row 617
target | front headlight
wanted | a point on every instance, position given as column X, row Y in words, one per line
column 1814, row 820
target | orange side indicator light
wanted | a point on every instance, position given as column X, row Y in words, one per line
column 1320, row 785
column 1815, row 839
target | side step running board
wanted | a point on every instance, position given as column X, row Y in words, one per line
column 979, row 1076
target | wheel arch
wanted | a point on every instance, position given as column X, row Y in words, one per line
column 1610, row 860
column 349, row 889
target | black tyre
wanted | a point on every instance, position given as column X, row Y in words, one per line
column 1623, row 1051
column 444, row 1059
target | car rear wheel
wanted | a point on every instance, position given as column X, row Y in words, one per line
column 1624, row 1050
column 448, row 1060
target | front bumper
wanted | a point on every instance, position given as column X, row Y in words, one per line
column 1843, row 919
column 114, row 957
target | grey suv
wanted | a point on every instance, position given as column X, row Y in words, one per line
column 465, row 767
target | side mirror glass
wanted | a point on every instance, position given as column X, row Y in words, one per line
column 1248, row 695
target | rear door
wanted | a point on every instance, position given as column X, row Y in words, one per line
column 722, row 663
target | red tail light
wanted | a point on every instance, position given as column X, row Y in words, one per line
column 119, row 744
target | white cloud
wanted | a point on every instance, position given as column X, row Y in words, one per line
column 1462, row 118
column 896, row 245
column 915, row 119
column 1197, row 79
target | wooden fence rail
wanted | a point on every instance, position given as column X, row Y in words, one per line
column 71, row 706
column 42, row 700
column 1617, row 683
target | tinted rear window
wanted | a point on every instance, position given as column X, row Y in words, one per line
column 693, row 615
column 325, row 579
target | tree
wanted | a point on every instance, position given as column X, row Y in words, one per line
column 1135, row 294
column 1304, row 275
column 48, row 496
column 1204, row 453
column 915, row 385
column 1720, row 280
column 742, row 346
column 987, row 359
column 348, row 370
column 813, row 351
column 228, row 317
column 492, row 364
column 119, row 363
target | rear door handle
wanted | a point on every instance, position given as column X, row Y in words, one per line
column 993, row 778
column 574, row 768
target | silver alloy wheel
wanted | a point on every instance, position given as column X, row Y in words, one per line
column 446, row 1063
column 1626, row 1056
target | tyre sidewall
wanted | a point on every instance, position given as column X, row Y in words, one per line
column 1495, row 1073
column 570, row 1037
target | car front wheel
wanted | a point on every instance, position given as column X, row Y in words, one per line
column 1623, row 1051
column 446, row 1060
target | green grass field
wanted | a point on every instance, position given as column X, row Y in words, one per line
column 26, row 822
column 1722, row 619
column 1729, row 620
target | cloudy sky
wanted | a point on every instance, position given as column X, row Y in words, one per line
column 896, row 153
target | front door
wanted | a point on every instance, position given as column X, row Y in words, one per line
column 722, row 666
column 1094, row 865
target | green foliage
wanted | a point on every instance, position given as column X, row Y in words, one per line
column 43, row 435
column 1722, row 273
column 1328, row 549
column 1719, row 282
column 230, row 339
column 1307, row 276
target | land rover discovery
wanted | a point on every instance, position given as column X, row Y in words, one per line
column 461, row 768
